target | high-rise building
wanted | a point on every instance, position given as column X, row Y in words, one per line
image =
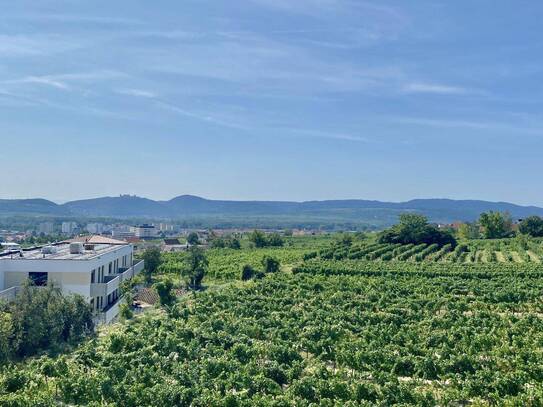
column 95, row 228
column 68, row 228
column 47, row 228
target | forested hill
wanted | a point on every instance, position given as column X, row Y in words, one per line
column 188, row 206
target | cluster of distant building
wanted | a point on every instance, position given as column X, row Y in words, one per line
column 145, row 231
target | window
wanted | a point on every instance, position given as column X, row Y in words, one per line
column 38, row 279
column 93, row 278
column 110, row 267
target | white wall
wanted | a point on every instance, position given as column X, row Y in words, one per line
column 72, row 275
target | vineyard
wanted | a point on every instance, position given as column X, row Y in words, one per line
column 308, row 339
column 346, row 323
column 499, row 251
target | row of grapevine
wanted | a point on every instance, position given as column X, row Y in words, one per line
column 411, row 252
column 409, row 339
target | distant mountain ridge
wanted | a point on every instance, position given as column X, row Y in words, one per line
column 187, row 206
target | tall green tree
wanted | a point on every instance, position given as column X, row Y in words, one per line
column 496, row 225
column 152, row 259
column 258, row 238
column 532, row 226
column 275, row 240
column 469, row 231
column 196, row 264
column 193, row 238
column 165, row 293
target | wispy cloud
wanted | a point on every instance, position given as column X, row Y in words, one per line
column 137, row 93
column 325, row 134
column 42, row 80
column 34, row 45
column 512, row 128
column 64, row 81
column 435, row 88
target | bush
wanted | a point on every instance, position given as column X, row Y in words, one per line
column 164, row 291
column 247, row 272
column 42, row 318
column 270, row 264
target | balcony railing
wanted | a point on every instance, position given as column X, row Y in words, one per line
column 109, row 313
column 9, row 294
column 112, row 282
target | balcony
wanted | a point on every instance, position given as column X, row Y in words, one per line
column 9, row 294
column 108, row 314
column 112, row 282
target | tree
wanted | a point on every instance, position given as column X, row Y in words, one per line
column 258, row 238
column 165, row 293
column 496, row 225
column 6, row 331
column 193, row 239
column 152, row 259
column 270, row 264
column 345, row 239
column 275, row 240
column 42, row 318
column 247, row 272
column 469, row 231
column 234, row 243
column 195, row 267
column 532, row 226
column 414, row 229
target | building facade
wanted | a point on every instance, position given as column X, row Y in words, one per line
column 68, row 228
column 47, row 228
column 93, row 269
column 146, row 232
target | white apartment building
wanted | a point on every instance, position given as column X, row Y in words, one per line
column 68, row 228
column 146, row 232
column 93, row 268
column 95, row 228
column 47, row 228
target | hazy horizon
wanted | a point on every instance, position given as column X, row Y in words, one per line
column 60, row 202
column 272, row 100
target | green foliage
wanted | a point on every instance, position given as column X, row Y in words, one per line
column 125, row 312
column 193, row 238
column 226, row 242
column 270, row 264
column 41, row 319
column 275, row 240
column 496, row 225
column 152, row 259
column 468, row 231
column 247, row 272
column 259, row 239
column 165, row 293
column 532, row 226
column 414, row 229
column 421, row 338
column 196, row 264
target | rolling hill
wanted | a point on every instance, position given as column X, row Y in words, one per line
column 189, row 206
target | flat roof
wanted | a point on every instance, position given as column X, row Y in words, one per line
column 63, row 253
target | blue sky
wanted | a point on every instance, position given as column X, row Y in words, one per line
column 272, row 99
